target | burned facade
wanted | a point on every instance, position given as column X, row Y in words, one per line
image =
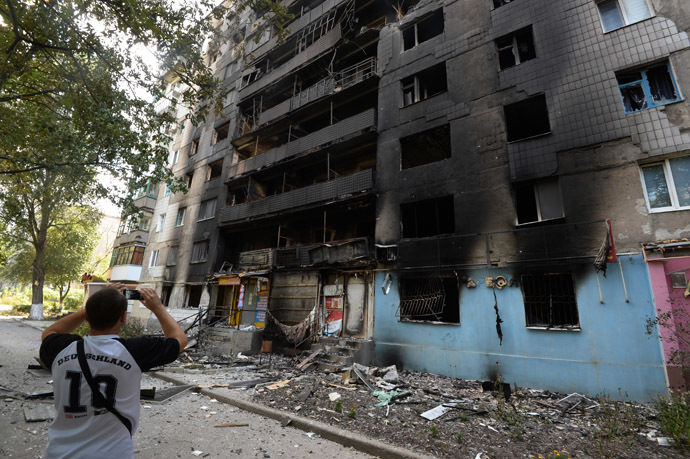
column 441, row 177
column 562, row 120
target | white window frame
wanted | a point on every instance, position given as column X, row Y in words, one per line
column 626, row 21
column 179, row 219
column 161, row 223
column 670, row 184
column 154, row 259
column 175, row 158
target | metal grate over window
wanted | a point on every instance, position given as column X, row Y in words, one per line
column 422, row 299
column 550, row 300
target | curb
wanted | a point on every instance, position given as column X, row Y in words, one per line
column 345, row 438
column 23, row 322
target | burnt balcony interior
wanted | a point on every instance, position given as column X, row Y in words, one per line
column 301, row 123
column 340, row 161
column 359, row 21
column 339, row 222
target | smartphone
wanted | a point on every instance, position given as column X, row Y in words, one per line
column 133, row 295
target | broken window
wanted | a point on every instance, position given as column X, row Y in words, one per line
column 527, row 118
column 207, row 210
column 424, row 84
column 168, row 191
column 618, row 13
column 214, row 170
column 498, row 3
column 434, row 299
column 423, row 30
column 667, row 184
column 515, row 48
column 221, row 132
column 536, row 202
column 647, row 88
column 172, row 256
column 194, row 148
column 175, row 158
column 188, row 179
column 550, row 300
column 430, row 217
column 425, row 147
column 179, row 220
column 199, row 252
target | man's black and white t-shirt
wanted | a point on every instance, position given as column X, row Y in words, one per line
column 80, row 429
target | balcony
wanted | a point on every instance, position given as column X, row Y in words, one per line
column 146, row 203
column 337, row 132
column 341, row 81
column 259, row 51
column 319, row 47
column 334, row 252
column 570, row 243
column 338, row 189
column 136, row 236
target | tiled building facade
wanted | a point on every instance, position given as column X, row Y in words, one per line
column 439, row 178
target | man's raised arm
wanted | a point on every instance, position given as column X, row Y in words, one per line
column 171, row 329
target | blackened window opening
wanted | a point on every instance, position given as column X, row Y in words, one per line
column 221, row 132
column 424, row 84
column 498, row 3
column 425, row 147
column 427, row 28
column 527, row 118
column 215, row 169
column 431, row 217
column 550, row 300
column 435, row 299
column 515, row 48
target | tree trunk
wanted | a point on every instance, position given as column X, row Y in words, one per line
column 62, row 297
column 38, row 272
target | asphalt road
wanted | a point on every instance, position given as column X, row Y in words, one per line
column 184, row 426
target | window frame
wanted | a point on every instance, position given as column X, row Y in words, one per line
column 161, row 223
column 524, row 102
column 514, row 46
column 644, row 84
column 624, row 15
column 193, row 258
column 540, row 219
column 670, row 184
column 570, row 327
column 175, row 158
column 153, row 259
column 179, row 218
column 203, row 206
column 445, row 279
column 172, row 256
column 415, row 27
column 194, row 146
column 417, row 86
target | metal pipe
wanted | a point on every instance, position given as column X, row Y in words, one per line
column 625, row 289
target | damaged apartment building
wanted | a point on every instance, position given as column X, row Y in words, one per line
column 472, row 187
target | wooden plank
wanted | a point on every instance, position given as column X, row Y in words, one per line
column 304, row 362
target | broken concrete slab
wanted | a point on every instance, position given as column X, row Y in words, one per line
column 37, row 412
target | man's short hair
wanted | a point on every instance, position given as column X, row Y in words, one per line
column 104, row 308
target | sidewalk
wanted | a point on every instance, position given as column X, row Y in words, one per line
column 39, row 325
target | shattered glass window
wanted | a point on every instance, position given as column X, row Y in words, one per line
column 647, row 88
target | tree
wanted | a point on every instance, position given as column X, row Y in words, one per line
column 71, row 240
column 70, row 108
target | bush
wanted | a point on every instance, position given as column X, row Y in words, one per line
column 674, row 418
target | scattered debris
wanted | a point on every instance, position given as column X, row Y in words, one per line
column 278, row 385
column 361, row 376
column 386, row 397
column 333, row 396
column 232, row 425
column 197, row 452
column 438, row 411
column 304, row 363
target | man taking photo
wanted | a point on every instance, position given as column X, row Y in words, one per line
column 97, row 379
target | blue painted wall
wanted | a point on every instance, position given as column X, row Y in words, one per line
column 612, row 354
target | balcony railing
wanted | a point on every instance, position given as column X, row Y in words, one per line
column 339, row 188
column 543, row 244
column 330, row 134
column 334, row 252
column 342, row 80
column 258, row 51
column 314, row 51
